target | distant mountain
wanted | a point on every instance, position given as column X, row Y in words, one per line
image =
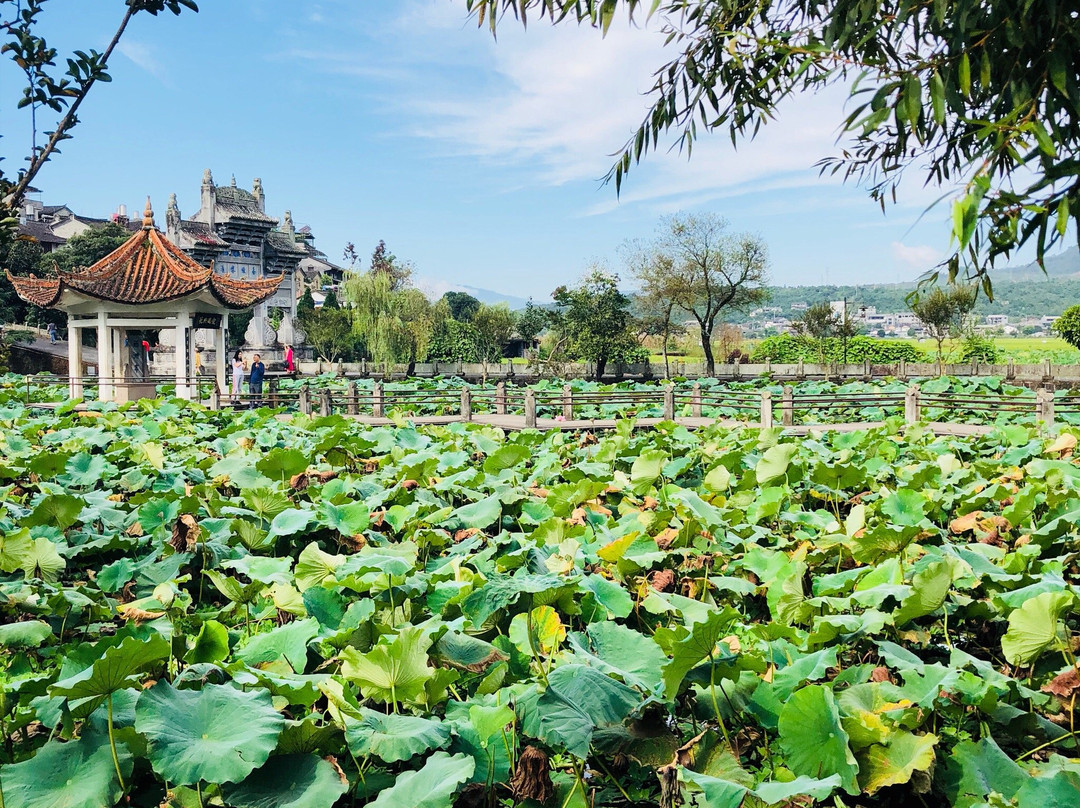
column 1065, row 264
column 435, row 288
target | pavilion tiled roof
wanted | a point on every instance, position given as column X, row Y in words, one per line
column 147, row 268
column 202, row 233
column 237, row 203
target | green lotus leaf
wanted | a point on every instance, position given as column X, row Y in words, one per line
column 477, row 515
column 291, row 521
column 289, row 641
column 76, row 774
column 394, row 671
column 217, row 735
column 506, row 457
column 28, row 634
column 776, row 792
column 618, row 650
column 1033, row 628
column 896, row 761
column 316, row 568
column 57, row 510
column 578, row 700
column 349, row 520
column 929, row 590
column 812, row 739
column 646, row 469
column 211, row 644
column 774, row 464
column 115, row 669
column 15, row 548
column 432, row 786
column 686, row 648
column 393, row 738
column 717, row 792
column 158, row 513
column 42, row 560
column 85, row 470
column 287, row 781
column 281, row 464
column 978, row 768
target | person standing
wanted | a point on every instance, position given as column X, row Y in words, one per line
column 255, row 380
column 237, row 376
column 290, row 363
column 52, row 333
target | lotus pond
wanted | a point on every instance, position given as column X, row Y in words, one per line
column 244, row 609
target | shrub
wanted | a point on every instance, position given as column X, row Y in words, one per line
column 978, row 348
column 787, row 348
column 1067, row 326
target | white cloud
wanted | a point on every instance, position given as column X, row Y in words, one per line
column 140, row 53
column 920, row 257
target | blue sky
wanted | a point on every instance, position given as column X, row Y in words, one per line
column 478, row 160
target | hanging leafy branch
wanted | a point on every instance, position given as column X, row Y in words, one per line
column 979, row 94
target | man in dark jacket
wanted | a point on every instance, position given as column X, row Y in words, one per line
column 255, row 381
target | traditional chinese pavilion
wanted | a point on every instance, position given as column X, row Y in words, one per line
column 147, row 284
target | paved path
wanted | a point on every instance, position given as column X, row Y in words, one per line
column 42, row 345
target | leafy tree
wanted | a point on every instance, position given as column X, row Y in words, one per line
column 594, row 319
column 495, row 325
column 817, row 324
column 1067, row 326
column 704, row 270
column 942, row 313
column 331, row 301
column 20, row 258
column 462, row 305
column 395, row 324
column 530, row 321
column 306, row 303
column 85, row 249
column 454, row 341
column 383, row 262
column 978, row 93
column 329, row 332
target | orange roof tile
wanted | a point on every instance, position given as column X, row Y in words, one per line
column 147, row 268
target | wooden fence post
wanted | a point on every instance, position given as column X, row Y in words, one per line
column 530, row 409
column 868, row 372
column 466, row 404
column 911, row 405
column 766, row 409
column 1010, row 370
column 567, row 403
column 353, row 406
column 768, row 366
column 669, row 402
column 1044, row 408
column 800, row 370
column 215, row 397
column 303, row 400
column 500, row 398
column 273, row 388
column 695, row 400
column 736, row 368
column 787, row 405
column 326, row 404
column 377, row 400
column 1048, row 371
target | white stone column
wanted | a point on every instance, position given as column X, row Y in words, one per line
column 183, row 327
column 75, row 368
column 104, row 360
column 220, row 348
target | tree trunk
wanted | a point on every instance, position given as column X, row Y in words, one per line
column 940, row 357
column 667, row 365
column 706, row 346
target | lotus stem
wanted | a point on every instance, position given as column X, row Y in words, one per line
column 112, row 746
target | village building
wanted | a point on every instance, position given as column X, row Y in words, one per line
column 145, row 288
column 233, row 234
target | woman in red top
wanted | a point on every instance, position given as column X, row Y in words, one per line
column 290, row 365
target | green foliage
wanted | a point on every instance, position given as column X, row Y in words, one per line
column 697, row 267
column 455, row 341
column 463, row 306
column 943, row 313
column 975, row 347
column 789, row 349
column 814, row 598
column 1067, row 326
column 329, row 332
column 305, row 304
column 593, row 319
column 84, row 249
column 394, row 322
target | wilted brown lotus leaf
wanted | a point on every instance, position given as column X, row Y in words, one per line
column 662, row 580
column 962, row 524
column 130, row 612
column 532, row 777
column 185, row 533
column 1064, row 684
